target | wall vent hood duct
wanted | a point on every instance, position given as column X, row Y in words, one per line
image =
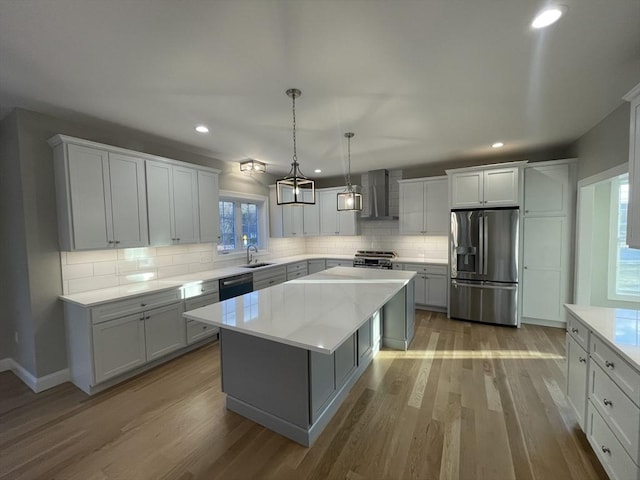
column 376, row 196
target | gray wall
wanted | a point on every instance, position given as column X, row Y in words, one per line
column 30, row 260
column 606, row 145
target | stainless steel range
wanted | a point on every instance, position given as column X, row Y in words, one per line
column 374, row 259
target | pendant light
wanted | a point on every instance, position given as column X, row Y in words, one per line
column 349, row 199
column 295, row 188
column 253, row 166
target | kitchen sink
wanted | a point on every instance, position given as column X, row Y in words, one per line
column 256, row 265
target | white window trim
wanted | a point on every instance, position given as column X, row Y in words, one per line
column 612, row 294
column 263, row 221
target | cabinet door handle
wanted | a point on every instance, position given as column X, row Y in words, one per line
column 147, row 317
column 608, row 403
column 574, row 330
column 141, row 319
column 608, row 364
column 582, row 360
column 117, row 242
column 606, row 450
column 143, row 304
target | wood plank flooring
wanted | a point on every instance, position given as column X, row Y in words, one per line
column 467, row 401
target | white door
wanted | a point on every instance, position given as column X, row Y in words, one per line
column 88, row 171
column 546, row 190
column 412, row 208
column 185, row 204
column 436, row 208
column 576, row 378
column 436, row 291
column 165, row 330
column 501, row 187
column 467, row 189
column 159, row 203
column 311, row 217
column 542, row 280
column 128, row 201
column 118, row 346
column 208, row 210
column 328, row 213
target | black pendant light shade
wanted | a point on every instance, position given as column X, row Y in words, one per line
column 295, row 188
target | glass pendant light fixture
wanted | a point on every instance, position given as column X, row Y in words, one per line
column 349, row 199
column 295, row 188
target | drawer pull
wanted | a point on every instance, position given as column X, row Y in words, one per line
column 143, row 304
column 204, row 327
column 142, row 319
column 147, row 318
column 582, row 360
column 608, row 364
column 608, row 403
column 606, row 450
column 574, row 330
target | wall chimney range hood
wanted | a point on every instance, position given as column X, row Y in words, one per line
column 376, row 196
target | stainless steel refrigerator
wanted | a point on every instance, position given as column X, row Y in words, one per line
column 484, row 266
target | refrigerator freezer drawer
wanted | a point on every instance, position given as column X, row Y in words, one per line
column 484, row 302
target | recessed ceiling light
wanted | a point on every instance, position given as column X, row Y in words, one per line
column 548, row 17
column 317, row 170
column 202, row 129
column 497, row 145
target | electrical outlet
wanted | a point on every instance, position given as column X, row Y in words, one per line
column 16, row 337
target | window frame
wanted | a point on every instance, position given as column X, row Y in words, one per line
column 612, row 293
column 262, row 203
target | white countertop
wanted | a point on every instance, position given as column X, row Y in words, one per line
column 618, row 327
column 317, row 312
column 104, row 295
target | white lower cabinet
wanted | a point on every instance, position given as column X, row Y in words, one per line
column 430, row 284
column 196, row 331
column 315, row 266
column 164, row 331
column 334, row 262
column 118, row 346
column 576, row 387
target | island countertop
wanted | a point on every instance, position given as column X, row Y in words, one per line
column 317, row 312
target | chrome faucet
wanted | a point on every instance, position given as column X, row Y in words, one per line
column 249, row 255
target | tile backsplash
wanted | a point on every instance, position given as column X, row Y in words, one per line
column 91, row 270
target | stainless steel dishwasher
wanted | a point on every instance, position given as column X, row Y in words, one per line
column 237, row 285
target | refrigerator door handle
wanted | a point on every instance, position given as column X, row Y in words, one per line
column 485, row 285
column 482, row 243
column 485, row 241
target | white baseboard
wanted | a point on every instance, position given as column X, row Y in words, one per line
column 5, row 364
column 37, row 384
column 545, row 323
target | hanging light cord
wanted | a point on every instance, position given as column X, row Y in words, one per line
column 349, row 186
column 295, row 153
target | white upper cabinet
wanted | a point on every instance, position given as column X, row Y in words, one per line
column 112, row 197
column 311, row 218
column 333, row 222
column 424, row 206
column 633, row 212
column 100, row 197
column 209, row 212
column 547, row 190
column 172, row 196
column 485, row 187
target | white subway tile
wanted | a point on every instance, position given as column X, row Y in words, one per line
column 170, row 271
column 126, row 266
column 136, row 253
column 201, row 267
column 77, row 270
column 92, row 283
column 200, row 247
column 172, row 250
column 137, row 277
column 186, row 258
column 91, row 256
column 104, row 268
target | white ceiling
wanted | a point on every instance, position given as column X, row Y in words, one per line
column 417, row 81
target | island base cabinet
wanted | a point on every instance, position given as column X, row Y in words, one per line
column 399, row 319
column 118, row 346
column 612, row 455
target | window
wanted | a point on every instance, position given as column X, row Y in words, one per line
column 624, row 262
column 242, row 222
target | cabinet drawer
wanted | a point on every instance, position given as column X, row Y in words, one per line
column 296, row 267
column 199, row 288
column 620, row 413
column 121, row 308
column 201, row 301
column 427, row 269
column 578, row 330
column 268, row 282
column 279, row 273
column 613, row 457
column 627, row 378
column 298, row 274
column 339, row 263
column 197, row 331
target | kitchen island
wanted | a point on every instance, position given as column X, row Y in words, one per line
column 291, row 353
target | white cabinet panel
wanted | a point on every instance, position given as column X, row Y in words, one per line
column 489, row 187
column 541, row 290
column 164, row 330
column 185, row 204
column 412, row 205
column 328, row 213
column 467, row 189
column 208, row 210
column 310, row 217
column 437, row 291
column 501, row 187
column 118, row 346
column 90, row 205
column 160, row 203
column 436, row 207
column 576, row 388
column 544, row 240
column 424, row 207
column 547, row 190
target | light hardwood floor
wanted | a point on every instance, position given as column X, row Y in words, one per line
column 467, row 401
